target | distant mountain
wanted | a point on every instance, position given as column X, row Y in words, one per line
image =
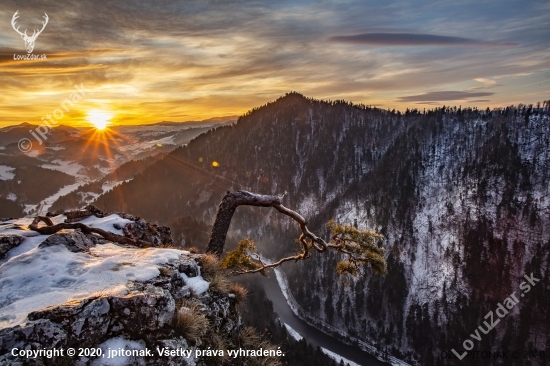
column 461, row 196
column 24, row 125
column 12, row 134
column 85, row 154
column 68, row 128
column 225, row 119
column 30, row 184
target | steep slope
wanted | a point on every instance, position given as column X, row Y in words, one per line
column 462, row 197
column 29, row 184
column 463, row 201
column 84, row 194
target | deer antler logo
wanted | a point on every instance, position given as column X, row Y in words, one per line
column 29, row 41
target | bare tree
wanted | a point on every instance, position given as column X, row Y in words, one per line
column 358, row 246
column 51, row 228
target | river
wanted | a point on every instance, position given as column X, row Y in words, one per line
column 311, row 334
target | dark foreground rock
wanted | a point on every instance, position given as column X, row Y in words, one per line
column 146, row 315
column 8, row 242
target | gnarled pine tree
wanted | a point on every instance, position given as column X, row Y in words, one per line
column 358, row 246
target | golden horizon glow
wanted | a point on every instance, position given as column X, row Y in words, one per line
column 100, row 119
column 186, row 68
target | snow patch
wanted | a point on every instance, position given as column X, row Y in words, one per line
column 41, row 277
column 337, row 357
column 283, row 285
column 30, row 243
column 293, row 333
column 67, row 167
column 56, row 148
column 107, row 223
column 6, row 172
column 197, row 284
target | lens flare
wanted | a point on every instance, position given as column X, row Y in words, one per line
column 99, row 118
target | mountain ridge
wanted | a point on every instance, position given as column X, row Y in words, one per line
column 450, row 188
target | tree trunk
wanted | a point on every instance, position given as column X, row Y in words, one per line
column 227, row 208
column 52, row 228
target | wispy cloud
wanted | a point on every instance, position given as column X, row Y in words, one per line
column 166, row 60
column 484, row 81
column 413, row 39
column 440, row 96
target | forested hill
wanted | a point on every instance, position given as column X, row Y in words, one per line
column 461, row 195
column 294, row 144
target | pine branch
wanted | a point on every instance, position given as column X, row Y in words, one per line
column 357, row 245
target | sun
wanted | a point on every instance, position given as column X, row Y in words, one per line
column 99, row 118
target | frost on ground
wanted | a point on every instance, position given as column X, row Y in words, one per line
column 54, row 275
column 72, row 288
column 33, row 277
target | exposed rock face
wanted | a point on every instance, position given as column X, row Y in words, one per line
column 145, row 313
column 140, row 229
column 74, row 216
column 7, row 242
column 190, row 268
column 75, row 241
column 77, row 215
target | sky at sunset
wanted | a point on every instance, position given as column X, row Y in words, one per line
column 149, row 61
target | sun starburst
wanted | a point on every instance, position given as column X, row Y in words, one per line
column 99, row 118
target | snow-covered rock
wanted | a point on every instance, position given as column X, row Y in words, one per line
column 72, row 289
